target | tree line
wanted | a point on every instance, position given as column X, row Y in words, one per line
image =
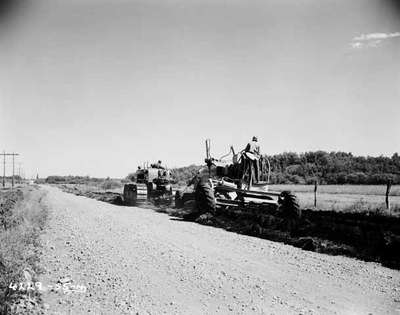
column 303, row 168
column 325, row 167
column 56, row 179
column 333, row 168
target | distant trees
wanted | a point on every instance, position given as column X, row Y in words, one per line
column 333, row 168
column 55, row 179
column 105, row 184
column 294, row 168
column 131, row 177
column 326, row 167
column 183, row 174
column 109, row 184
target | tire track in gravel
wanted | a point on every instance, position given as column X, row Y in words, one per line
column 137, row 261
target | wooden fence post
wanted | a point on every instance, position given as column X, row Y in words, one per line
column 388, row 186
column 315, row 193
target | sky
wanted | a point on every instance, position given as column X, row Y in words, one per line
column 96, row 87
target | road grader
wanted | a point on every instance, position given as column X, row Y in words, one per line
column 234, row 183
column 149, row 183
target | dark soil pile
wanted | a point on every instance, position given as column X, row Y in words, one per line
column 107, row 196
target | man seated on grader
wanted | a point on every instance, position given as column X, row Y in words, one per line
column 230, row 184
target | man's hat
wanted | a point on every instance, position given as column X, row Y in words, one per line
column 254, row 138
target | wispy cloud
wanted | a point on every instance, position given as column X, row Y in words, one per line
column 371, row 39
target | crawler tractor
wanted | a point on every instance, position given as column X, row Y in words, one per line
column 150, row 183
column 234, row 183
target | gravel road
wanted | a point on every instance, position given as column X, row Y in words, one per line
column 137, row 261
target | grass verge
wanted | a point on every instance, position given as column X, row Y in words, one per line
column 23, row 217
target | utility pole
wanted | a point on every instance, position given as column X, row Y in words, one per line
column 4, row 167
column 12, row 185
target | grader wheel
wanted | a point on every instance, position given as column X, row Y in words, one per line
column 178, row 199
column 204, row 197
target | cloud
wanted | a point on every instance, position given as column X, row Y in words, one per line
column 356, row 45
column 371, row 39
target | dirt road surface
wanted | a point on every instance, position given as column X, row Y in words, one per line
column 138, row 261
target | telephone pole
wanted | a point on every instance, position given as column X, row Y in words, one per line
column 12, row 185
column 4, row 166
column 4, row 169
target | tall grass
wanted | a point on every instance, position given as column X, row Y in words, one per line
column 19, row 244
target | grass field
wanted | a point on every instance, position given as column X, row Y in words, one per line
column 344, row 197
column 342, row 189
